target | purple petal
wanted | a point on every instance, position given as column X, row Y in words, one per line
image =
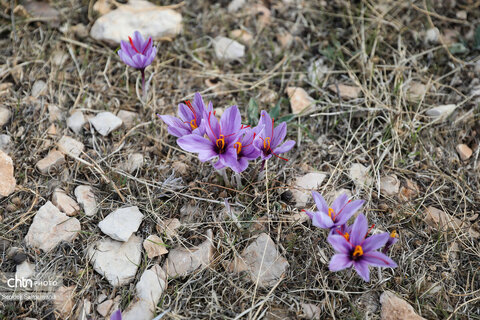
column 126, row 58
column 268, row 125
column 378, row 259
column 279, row 134
column 340, row 244
column 362, row 269
column 127, row 48
column 375, row 242
column 185, row 113
column 230, row 122
column 320, row 202
column 322, row 220
column 339, row 262
column 339, row 203
column 117, row 315
column 348, row 211
column 212, row 127
column 197, row 144
column 287, row 146
column 359, row 230
column 138, row 41
column 198, row 104
column 175, row 126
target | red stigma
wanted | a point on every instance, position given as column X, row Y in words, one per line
column 133, row 46
column 148, row 43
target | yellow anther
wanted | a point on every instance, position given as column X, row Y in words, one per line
column 238, row 145
column 193, row 124
column 266, row 143
column 393, row 234
column 358, row 251
column 331, row 213
column 347, row 236
column 221, row 142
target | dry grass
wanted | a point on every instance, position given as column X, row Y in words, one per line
column 377, row 45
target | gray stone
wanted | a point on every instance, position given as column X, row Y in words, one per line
column 121, row 223
column 106, row 122
column 228, row 49
column 76, row 121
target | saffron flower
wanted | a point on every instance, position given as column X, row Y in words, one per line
column 138, row 53
column 117, row 315
column 190, row 118
column 222, row 136
column 358, row 250
column 245, row 151
column 269, row 140
column 335, row 216
column 390, row 242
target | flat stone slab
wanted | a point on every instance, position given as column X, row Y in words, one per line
column 121, row 223
column 50, row 226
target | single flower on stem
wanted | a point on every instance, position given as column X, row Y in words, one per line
column 138, row 53
column 269, row 139
column 222, row 136
column 190, row 119
column 337, row 215
column 358, row 250
column 390, row 242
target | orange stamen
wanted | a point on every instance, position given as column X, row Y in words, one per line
column 393, row 234
column 193, row 123
column 358, row 252
column 238, row 145
column 221, row 142
column 266, row 143
column 347, row 236
column 331, row 214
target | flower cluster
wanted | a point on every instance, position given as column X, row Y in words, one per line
column 353, row 246
column 198, row 130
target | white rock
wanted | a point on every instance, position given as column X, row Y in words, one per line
column 105, row 308
column 25, row 270
column 70, row 146
column 243, row 36
column 154, row 246
column 5, row 115
column 169, row 227
column 59, row 57
column 50, row 227
column 106, row 122
column 151, row 285
column 235, row 5
column 310, row 311
column 304, row 185
column 54, row 159
column 137, row 15
column 432, row 36
column 5, row 141
column 63, row 301
column 149, row 290
column 441, row 112
column 116, row 261
column 227, row 49
column 394, row 308
column 128, row 117
column 39, row 88
column 182, row 261
column 7, row 179
column 133, row 163
column 360, row 176
column 389, row 185
column 464, row 151
column 86, row 198
column 76, row 121
column 416, row 91
column 345, row 91
column 262, row 261
column 138, row 310
column 300, row 101
column 54, row 112
column 64, row 203
column 121, row 223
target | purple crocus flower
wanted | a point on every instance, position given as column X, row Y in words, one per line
column 137, row 53
column 359, row 251
column 335, row 216
column 191, row 118
column 222, row 136
column 269, row 140
column 117, row 315
column 245, row 151
column 390, row 242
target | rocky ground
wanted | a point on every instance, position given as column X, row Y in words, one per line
column 381, row 97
